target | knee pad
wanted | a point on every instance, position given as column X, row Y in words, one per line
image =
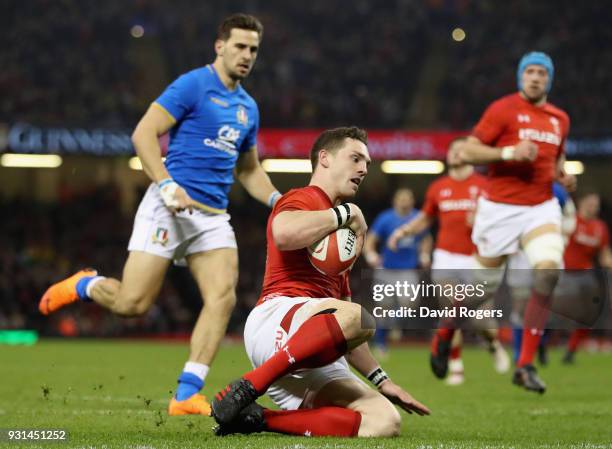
column 545, row 248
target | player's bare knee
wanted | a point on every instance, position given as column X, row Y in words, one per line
column 350, row 320
column 221, row 300
column 368, row 324
column 381, row 420
column 131, row 306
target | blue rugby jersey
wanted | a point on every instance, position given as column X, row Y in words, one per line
column 407, row 254
column 213, row 126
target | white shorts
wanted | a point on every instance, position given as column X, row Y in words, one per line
column 157, row 231
column 498, row 227
column 519, row 272
column 447, row 266
column 265, row 333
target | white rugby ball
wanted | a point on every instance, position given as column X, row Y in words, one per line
column 334, row 253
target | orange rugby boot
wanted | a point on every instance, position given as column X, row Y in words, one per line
column 63, row 292
column 194, row 405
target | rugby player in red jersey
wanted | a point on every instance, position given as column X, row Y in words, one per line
column 521, row 137
column 589, row 241
column 451, row 199
column 305, row 331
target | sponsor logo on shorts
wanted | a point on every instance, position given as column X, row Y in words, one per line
column 279, row 339
column 290, row 358
column 160, row 236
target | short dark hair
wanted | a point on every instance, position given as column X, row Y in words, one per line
column 241, row 21
column 332, row 140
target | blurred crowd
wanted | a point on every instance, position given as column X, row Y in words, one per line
column 483, row 67
column 322, row 62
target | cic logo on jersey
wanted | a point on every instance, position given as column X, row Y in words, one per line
column 226, row 141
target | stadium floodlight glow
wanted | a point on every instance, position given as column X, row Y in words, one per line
column 135, row 164
column 573, row 167
column 31, row 160
column 137, row 31
column 412, row 167
column 287, row 165
column 458, row 35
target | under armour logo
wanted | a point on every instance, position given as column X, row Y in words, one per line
column 290, row 358
column 523, row 118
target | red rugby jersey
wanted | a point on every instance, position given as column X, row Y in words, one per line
column 290, row 273
column 450, row 201
column 589, row 237
column 508, row 121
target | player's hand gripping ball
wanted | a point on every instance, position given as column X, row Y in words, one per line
column 334, row 253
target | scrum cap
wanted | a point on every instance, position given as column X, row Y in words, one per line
column 537, row 58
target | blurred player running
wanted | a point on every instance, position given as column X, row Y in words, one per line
column 399, row 265
column 304, row 324
column 521, row 136
column 451, row 200
column 519, row 277
column 590, row 241
column 213, row 126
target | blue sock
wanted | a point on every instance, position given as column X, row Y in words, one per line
column 380, row 338
column 544, row 338
column 517, row 339
column 81, row 288
column 188, row 385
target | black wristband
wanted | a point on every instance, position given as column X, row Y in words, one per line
column 378, row 376
column 343, row 214
column 338, row 216
column 348, row 212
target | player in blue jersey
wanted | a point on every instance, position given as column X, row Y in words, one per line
column 412, row 252
column 213, row 126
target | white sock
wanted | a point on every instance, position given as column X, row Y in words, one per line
column 197, row 369
column 91, row 284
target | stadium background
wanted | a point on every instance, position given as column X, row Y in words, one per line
column 70, row 67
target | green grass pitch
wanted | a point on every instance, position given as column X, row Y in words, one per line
column 111, row 394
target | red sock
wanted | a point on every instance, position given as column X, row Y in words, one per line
column 536, row 314
column 455, row 352
column 575, row 338
column 445, row 334
column 318, row 342
column 318, row 422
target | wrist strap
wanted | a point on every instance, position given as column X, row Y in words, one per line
column 273, row 198
column 507, row 153
column 377, row 376
column 343, row 214
column 164, row 182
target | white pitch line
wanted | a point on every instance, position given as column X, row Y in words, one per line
column 117, row 399
column 109, row 411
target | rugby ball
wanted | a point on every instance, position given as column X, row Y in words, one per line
column 334, row 253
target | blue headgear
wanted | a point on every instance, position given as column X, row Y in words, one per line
column 537, row 58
